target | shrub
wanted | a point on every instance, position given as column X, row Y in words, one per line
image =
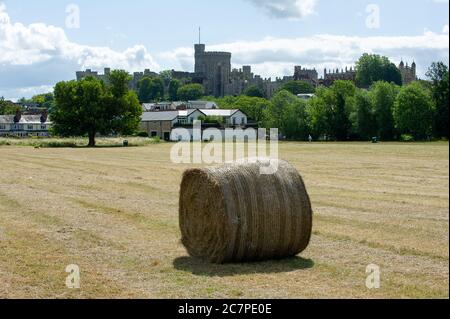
column 407, row 138
column 142, row 134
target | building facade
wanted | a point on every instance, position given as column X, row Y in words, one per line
column 331, row 76
column 107, row 71
column 308, row 75
column 163, row 124
column 409, row 73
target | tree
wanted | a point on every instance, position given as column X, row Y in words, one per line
column 365, row 125
column 288, row 113
column 89, row 107
column 190, row 92
column 174, row 85
column 150, row 89
column 329, row 112
column 166, row 77
column 384, row 95
column 7, row 107
column 317, row 110
column 372, row 68
column 438, row 73
column 275, row 113
column 340, row 106
column 298, row 87
column 413, row 111
column 45, row 100
column 254, row 91
column 295, row 120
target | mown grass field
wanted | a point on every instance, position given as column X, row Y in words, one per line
column 114, row 212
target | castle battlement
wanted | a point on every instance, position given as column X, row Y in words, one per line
column 217, row 53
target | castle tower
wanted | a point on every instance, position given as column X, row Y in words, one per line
column 213, row 69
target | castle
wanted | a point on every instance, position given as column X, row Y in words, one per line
column 133, row 85
column 409, row 73
column 213, row 70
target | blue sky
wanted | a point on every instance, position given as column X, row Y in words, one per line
column 38, row 48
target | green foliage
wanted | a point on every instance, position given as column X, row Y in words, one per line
column 438, row 73
column 150, row 89
column 384, row 95
column 7, row 107
column 413, row 112
column 288, row 114
column 174, row 85
column 89, row 107
column 142, row 134
column 166, row 77
column 298, row 87
column 190, row 92
column 254, row 91
column 365, row 125
column 212, row 119
column 406, row 138
column 372, row 68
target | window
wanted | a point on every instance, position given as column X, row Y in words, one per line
column 43, row 127
column 183, row 120
column 30, row 127
column 2, row 127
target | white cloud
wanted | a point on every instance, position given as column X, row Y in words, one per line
column 445, row 29
column 277, row 57
column 38, row 44
column 294, row 9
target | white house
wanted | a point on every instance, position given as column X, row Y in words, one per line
column 163, row 123
column 25, row 125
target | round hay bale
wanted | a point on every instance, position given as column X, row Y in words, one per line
column 233, row 213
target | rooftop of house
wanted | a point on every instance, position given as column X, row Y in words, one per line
column 172, row 115
column 24, row 119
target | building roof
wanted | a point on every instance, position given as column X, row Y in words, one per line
column 25, row 119
column 173, row 115
column 187, row 112
column 159, row 116
column 220, row 112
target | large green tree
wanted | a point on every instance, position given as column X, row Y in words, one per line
column 372, row 68
column 150, row 89
column 190, row 92
column 89, row 107
column 438, row 73
column 7, row 107
column 413, row 111
column 288, row 113
column 174, row 85
column 341, row 108
column 298, row 87
column 384, row 95
column 329, row 112
column 365, row 125
column 254, row 91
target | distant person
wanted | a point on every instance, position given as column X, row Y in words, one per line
column 310, row 139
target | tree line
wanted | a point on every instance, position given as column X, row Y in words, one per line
column 343, row 112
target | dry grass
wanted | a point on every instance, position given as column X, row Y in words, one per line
column 114, row 212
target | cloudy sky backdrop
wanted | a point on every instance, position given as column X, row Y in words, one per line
column 43, row 42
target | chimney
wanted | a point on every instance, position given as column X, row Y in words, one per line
column 44, row 116
column 18, row 116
